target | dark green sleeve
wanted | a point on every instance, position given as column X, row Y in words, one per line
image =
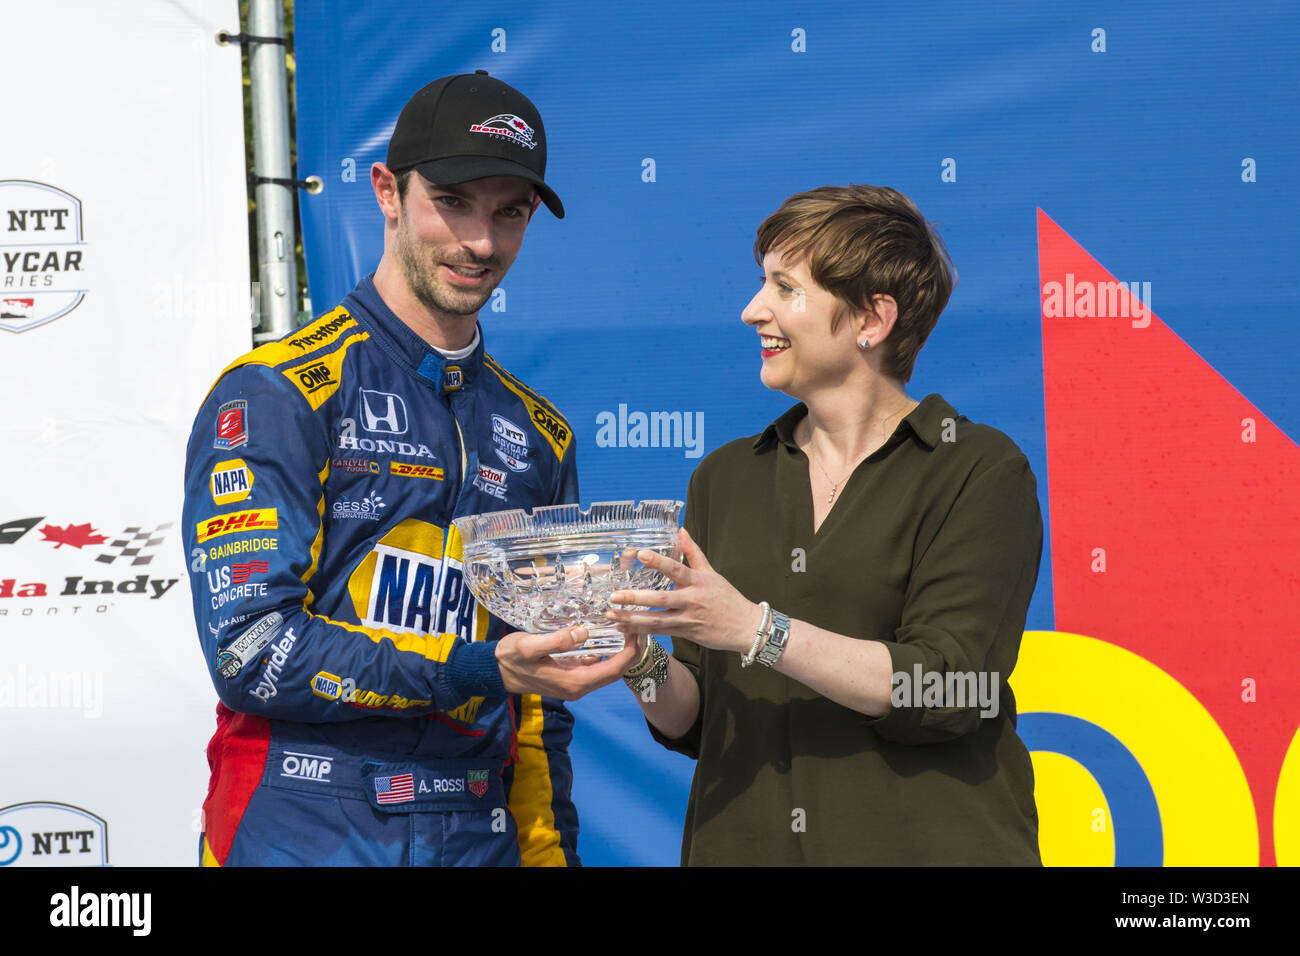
column 967, row 598
column 695, row 521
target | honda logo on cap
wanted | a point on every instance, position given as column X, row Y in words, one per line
column 383, row 412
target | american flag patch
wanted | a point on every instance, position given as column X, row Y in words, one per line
column 242, row 572
column 398, row 789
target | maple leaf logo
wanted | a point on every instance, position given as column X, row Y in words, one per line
column 77, row 535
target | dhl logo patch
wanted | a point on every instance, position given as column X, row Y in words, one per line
column 407, row 470
column 263, row 519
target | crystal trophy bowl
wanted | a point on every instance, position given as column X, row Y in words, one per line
column 557, row 566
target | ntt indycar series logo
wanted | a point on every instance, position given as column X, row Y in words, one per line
column 52, row 834
column 41, row 251
column 511, row 443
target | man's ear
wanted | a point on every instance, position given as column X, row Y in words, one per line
column 384, row 182
column 537, row 201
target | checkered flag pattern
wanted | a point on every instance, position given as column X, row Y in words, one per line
column 132, row 543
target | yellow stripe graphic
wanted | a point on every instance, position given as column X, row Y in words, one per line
column 542, row 415
column 208, row 858
column 530, row 794
column 329, row 327
column 319, row 540
column 435, row 647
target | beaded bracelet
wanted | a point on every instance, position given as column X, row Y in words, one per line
column 760, row 637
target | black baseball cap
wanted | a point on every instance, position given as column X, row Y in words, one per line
column 472, row 126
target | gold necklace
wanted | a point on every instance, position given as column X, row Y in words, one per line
column 835, row 485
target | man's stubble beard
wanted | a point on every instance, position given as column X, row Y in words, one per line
column 421, row 266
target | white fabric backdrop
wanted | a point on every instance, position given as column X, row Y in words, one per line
column 105, row 705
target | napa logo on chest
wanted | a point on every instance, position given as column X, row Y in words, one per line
column 413, row 582
column 231, row 481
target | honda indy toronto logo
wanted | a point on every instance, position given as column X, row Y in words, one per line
column 41, row 249
column 508, row 126
column 106, row 566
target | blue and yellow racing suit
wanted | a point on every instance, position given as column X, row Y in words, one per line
column 362, row 716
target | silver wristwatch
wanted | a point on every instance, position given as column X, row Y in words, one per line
column 774, row 646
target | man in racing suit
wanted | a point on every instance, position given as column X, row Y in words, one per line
column 371, row 712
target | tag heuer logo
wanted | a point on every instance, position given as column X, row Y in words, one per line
column 477, row 781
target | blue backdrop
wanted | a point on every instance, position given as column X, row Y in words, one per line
column 1128, row 124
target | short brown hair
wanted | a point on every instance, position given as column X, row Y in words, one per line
column 864, row 241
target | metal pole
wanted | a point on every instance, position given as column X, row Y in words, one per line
column 276, row 267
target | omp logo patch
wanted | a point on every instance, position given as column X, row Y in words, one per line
column 231, row 481
column 261, row 520
column 319, row 378
column 548, row 423
column 315, row 376
column 306, row 766
column 406, row 470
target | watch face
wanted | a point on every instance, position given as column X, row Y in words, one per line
column 776, row 640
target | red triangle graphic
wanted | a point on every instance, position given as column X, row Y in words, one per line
column 1201, row 530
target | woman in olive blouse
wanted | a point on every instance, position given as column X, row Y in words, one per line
column 856, row 581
